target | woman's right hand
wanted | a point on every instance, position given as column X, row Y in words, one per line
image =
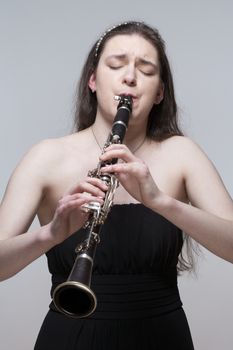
column 23, row 199
column 69, row 215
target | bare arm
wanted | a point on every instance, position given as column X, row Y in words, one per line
column 211, row 231
column 22, row 198
column 17, row 211
column 209, row 220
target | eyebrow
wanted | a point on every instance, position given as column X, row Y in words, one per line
column 123, row 57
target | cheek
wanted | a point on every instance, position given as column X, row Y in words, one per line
column 154, row 89
column 103, row 79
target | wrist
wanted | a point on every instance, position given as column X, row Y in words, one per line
column 162, row 203
column 45, row 237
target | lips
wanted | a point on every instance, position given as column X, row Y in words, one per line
column 134, row 97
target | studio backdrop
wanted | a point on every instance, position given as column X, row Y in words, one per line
column 43, row 47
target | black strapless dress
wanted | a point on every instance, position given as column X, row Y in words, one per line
column 135, row 281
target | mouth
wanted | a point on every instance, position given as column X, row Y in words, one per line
column 117, row 97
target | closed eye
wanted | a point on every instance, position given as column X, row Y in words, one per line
column 147, row 69
column 114, row 67
column 146, row 72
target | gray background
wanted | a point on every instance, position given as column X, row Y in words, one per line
column 43, row 45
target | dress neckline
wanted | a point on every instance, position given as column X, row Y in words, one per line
column 127, row 204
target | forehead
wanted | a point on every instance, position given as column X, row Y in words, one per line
column 132, row 44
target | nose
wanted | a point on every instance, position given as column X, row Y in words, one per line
column 130, row 76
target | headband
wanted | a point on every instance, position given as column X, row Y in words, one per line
column 111, row 29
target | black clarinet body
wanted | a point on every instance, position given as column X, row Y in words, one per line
column 74, row 297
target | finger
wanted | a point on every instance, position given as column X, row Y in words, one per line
column 116, row 168
column 66, row 207
column 93, row 186
column 97, row 182
column 137, row 169
column 115, row 146
column 79, row 196
column 123, row 154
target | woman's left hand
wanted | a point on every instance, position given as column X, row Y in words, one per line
column 133, row 174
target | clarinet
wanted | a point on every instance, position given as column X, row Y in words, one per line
column 74, row 297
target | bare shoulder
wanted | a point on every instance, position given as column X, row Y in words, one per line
column 27, row 183
column 181, row 143
column 42, row 159
column 191, row 158
column 52, row 148
column 186, row 151
column 204, row 186
column 42, row 172
column 52, row 151
column 39, row 157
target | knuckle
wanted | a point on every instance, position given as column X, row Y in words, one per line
column 61, row 201
column 60, row 210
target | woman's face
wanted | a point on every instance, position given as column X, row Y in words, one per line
column 128, row 65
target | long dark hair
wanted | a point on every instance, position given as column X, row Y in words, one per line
column 162, row 120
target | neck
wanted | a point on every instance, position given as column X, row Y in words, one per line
column 134, row 139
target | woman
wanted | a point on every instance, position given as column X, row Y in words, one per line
column 160, row 173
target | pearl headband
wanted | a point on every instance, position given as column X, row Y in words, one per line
column 111, row 29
